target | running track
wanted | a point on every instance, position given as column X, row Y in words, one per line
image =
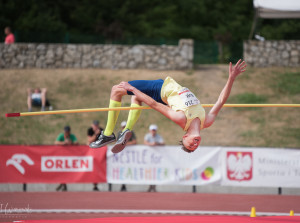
column 86, row 205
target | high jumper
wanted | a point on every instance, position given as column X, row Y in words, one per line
column 175, row 102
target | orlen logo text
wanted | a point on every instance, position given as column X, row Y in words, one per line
column 67, row 164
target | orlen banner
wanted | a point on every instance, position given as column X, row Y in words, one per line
column 261, row 167
column 52, row 164
column 142, row 164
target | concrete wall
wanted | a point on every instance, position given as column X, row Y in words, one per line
column 272, row 53
column 29, row 55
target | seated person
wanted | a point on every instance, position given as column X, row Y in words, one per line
column 132, row 139
column 93, row 132
column 66, row 138
column 153, row 138
column 37, row 98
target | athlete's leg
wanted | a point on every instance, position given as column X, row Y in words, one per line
column 107, row 136
column 127, row 133
column 115, row 101
column 133, row 115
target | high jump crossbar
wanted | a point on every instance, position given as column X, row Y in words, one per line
column 143, row 107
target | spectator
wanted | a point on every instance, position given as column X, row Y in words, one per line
column 10, row 38
column 131, row 141
column 153, row 139
column 65, row 138
column 92, row 133
column 37, row 98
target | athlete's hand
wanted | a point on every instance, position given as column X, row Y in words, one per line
column 126, row 86
column 237, row 69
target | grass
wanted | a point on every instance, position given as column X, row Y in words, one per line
column 249, row 134
column 189, row 72
column 248, row 98
column 90, row 88
column 287, row 83
column 258, row 119
column 292, row 134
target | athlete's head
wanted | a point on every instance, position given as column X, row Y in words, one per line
column 190, row 142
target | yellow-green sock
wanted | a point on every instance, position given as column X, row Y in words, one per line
column 112, row 117
column 133, row 117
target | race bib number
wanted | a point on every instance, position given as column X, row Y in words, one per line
column 188, row 97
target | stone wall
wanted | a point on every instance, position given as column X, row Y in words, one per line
column 272, row 53
column 29, row 55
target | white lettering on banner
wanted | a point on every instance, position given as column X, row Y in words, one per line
column 67, row 164
column 188, row 97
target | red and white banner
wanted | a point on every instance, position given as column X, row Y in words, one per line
column 52, row 164
column 261, row 167
column 142, row 164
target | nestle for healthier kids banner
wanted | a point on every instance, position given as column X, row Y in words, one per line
column 164, row 165
column 261, row 167
column 52, row 164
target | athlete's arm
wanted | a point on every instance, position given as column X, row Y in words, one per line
column 233, row 73
column 174, row 116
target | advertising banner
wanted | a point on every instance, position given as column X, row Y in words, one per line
column 52, row 164
column 160, row 165
column 261, row 167
column 140, row 164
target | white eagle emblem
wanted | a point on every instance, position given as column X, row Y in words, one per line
column 239, row 166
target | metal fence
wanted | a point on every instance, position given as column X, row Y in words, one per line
column 206, row 52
